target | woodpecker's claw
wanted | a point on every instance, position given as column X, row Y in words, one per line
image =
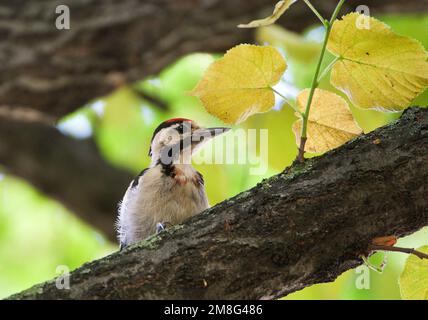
column 161, row 226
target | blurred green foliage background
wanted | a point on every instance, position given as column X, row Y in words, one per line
column 37, row 233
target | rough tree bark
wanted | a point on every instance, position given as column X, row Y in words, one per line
column 304, row 226
column 111, row 42
column 73, row 172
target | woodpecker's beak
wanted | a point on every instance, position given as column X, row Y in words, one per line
column 204, row 134
column 207, row 133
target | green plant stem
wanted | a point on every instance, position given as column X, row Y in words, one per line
column 327, row 69
column 286, row 100
column 315, row 11
column 314, row 85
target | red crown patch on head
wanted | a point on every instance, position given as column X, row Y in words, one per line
column 177, row 120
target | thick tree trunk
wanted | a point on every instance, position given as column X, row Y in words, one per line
column 111, row 42
column 304, row 226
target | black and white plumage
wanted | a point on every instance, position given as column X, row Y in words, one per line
column 170, row 190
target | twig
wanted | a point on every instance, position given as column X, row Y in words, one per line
column 420, row 255
column 301, row 149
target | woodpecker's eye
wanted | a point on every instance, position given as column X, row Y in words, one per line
column 180, row 128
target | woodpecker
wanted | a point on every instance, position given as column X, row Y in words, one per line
column 170, row 189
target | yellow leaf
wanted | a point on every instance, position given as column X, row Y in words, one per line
column 279, row 10
column 330, row 122
column 377, row 68
column 414, row 279
column 239, row 84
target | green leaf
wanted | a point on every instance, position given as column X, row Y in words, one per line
column 414, row 279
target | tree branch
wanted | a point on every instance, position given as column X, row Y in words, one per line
column 114, row 42
column 69, row 170
column 304, row 226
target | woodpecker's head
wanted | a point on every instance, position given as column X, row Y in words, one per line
column 175, row 140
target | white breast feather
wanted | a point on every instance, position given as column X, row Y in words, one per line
column 158, row 198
